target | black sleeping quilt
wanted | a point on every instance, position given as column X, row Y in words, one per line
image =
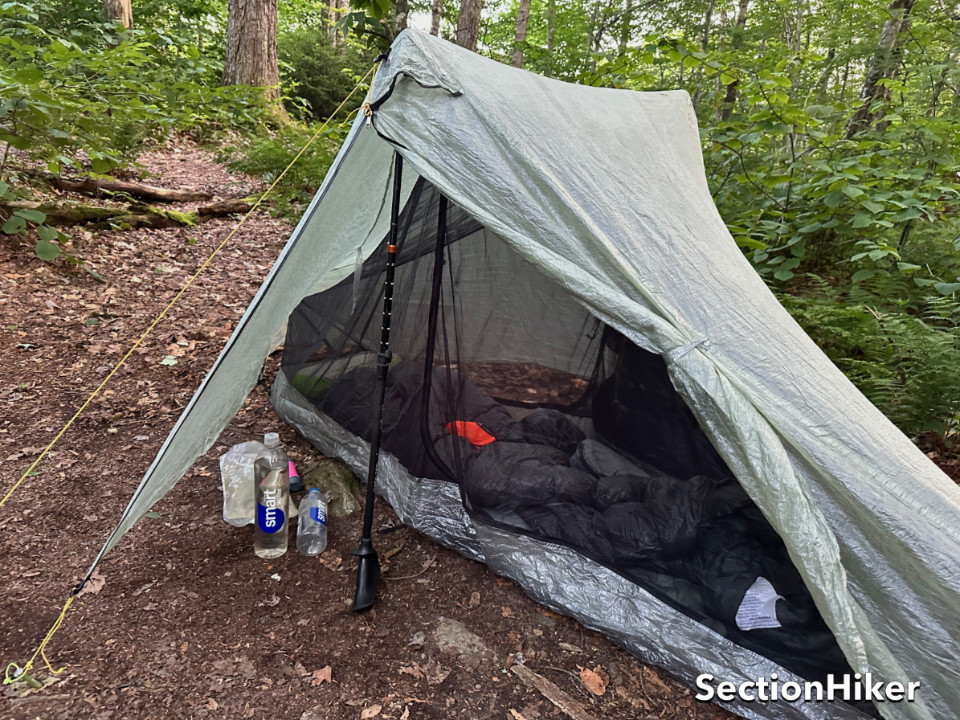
column 698, row 543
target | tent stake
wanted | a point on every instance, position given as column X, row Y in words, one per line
column 368, row 570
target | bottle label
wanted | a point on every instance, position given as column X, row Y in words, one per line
column 318, row 515
column 270, row 516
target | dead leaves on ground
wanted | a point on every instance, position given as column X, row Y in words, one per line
column 432, row 672
column 324, row 674
column 94, row 585
column 596, row 680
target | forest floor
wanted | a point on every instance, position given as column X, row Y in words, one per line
column 183, row 620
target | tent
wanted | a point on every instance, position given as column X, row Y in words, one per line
column 593, row 392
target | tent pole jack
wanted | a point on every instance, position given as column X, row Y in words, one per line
column 368, row 571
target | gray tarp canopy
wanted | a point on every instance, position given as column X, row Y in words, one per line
column 604, row 190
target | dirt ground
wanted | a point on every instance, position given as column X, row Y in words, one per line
column 187, row 622
column 184, row 621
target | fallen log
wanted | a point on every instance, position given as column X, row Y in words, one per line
column 134, row 215
column 150, row 193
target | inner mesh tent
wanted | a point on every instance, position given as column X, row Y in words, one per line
column 550, row 424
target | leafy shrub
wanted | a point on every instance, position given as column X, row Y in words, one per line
column 87, row 95
column 267, row 157
column 906, row 365
column 318, row 73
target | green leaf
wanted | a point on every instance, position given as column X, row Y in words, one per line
column 14, row 225
column 34, row 216
column 861, row 220
column 153, row 515
column 169, row 360
column 872, row 206
column 813, row 227
column 46, row 250
column 862, row 275
column 908, row 267
column 852, row 191
column 45, row 232
column 947, row 288
column 101, row 165
column 783, row 274
column 28, row 76
column 833, row 198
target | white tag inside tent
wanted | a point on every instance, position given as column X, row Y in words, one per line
column 357, row 274
column 758, row 609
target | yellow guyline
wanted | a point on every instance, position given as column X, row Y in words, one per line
column 22, row 673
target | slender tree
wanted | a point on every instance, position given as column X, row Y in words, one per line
column 520, row 37
column 736, row 42
column 251, row 49
column 468, row 23
column 120, row 11
column 436, row 14
column 403, row 10
column 883, row 66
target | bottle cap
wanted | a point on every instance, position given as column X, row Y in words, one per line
column 271, row 440
column 314, row 490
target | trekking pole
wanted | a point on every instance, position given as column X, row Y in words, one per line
column 368, row 571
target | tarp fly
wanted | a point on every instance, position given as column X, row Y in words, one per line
column 593, row 392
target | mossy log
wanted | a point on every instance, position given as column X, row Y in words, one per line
column 135, row 215
column 150, row 193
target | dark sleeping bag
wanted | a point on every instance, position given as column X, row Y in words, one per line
column 637, row 409
column 426, row 449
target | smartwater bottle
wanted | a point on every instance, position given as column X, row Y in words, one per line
column 312, row 524
column 270, row 471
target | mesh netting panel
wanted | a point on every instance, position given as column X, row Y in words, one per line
column 552, row 425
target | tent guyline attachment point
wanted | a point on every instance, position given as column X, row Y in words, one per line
column 22, row 673
column 163, row 313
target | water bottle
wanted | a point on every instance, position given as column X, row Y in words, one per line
column 312, row 524
column 270, row 471
column 236, row 472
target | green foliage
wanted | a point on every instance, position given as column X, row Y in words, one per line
column 905, row 364
column 83, row 95
column 268, row 156
column 105, row 91
column 316, row 72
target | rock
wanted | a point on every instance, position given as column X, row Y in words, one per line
column 341, row 486
column 453, row 636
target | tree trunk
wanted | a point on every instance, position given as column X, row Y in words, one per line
column 251, row 51
column 707, row 19
column 625, row 22
column 436, row 14
column 883, row 66
column 551, row 22
column 403, row 10
column 704, row 45
column 336, row 9
column 119, row 10
column 736, row 42
column 520, row 37
column 468, row 24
